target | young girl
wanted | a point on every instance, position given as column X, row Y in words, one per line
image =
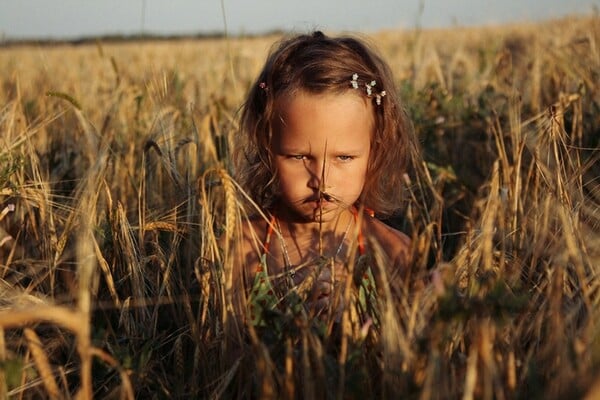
column 322, row 149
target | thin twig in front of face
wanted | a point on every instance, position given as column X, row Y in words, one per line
column 321, row 196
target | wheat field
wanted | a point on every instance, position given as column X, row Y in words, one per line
column 116, row 190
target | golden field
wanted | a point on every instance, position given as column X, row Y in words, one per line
column 115, row 185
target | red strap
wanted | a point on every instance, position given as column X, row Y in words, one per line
column 360, row 238
column 269, row 233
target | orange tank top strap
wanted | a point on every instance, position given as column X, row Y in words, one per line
column 262, row 296
column 270, row 229
column 361, row 239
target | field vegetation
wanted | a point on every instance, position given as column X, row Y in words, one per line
column 116, row 189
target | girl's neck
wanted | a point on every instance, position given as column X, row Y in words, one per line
column 302, row 241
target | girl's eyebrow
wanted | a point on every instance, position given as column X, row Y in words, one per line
column 294, row 148
column 349, row 150
column 304, row 150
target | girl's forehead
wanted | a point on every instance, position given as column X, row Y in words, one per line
column 336, row 117
column 303, row 106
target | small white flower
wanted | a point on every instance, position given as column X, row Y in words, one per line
column 354, row 81
column 368, row 88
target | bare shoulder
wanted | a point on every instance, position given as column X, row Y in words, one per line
column 250, row 244
column 396, row 244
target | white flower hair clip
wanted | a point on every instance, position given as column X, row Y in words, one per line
column 369, row 89
column 354, row 81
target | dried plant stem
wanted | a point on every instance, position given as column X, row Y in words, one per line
column 62, row 316
column 127, row 388
column 41, row 361
column 3, row 383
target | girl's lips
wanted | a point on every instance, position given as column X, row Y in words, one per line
column 320, row 204
column 319, row 201
column 324, row 199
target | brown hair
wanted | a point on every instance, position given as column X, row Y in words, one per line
column 316, row 64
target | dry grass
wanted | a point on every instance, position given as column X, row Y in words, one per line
column 114, row 192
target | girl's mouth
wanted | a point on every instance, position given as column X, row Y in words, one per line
column 320, row 203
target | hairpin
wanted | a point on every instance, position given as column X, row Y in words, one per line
column 369, row 89
column 354, row 81
column 379, row 96
column 263, row 86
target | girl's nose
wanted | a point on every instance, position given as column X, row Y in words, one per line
column 314, row 181
column 314, row 175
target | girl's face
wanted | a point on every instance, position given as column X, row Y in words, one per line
column 322, row 137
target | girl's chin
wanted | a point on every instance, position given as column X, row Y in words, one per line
column 323, row 213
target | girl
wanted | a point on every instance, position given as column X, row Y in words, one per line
column 321, row 150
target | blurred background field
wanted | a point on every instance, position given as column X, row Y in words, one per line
column 114, row 169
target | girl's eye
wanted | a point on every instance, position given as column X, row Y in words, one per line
column 345, row 158
column 298, row 157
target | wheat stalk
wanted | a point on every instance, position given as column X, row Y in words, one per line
column 41, row 361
